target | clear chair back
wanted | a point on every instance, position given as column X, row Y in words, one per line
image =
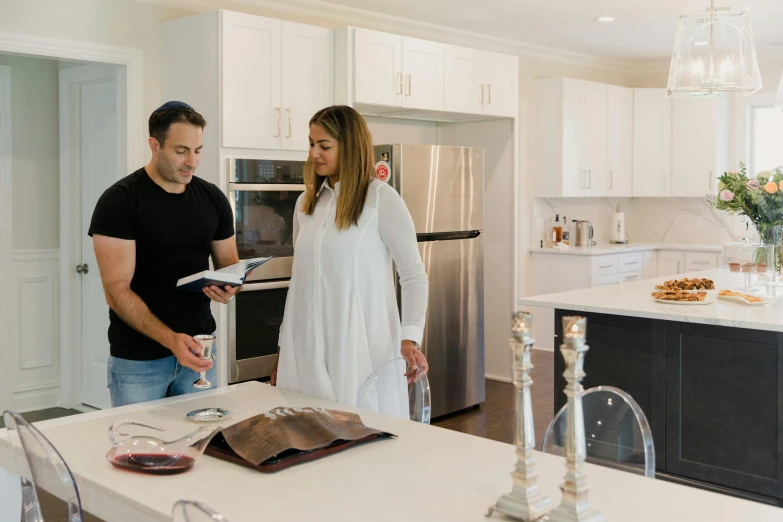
column 387, row 391
column 49, row 490
column 617, row 433
column 192, row 511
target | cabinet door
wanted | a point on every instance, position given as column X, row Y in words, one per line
column 378, row 68
column 694, row 140
column 464, row 73
column 650, row 269
column 594, row 145
column 308, row 53
column 651, row 143
column 619, row 137
column 422, row 63
column 574, row 175
column 670, row 263
column 252, row 112
column 501, row 84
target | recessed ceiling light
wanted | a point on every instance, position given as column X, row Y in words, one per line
column 605, row 19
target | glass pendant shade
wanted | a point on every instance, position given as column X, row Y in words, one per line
column 714, row 51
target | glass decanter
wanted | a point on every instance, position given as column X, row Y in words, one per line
column 146, row 453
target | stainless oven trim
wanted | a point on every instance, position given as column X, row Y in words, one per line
column 247, row 366
column 268, row 187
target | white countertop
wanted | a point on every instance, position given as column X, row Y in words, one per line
column 634, row 299
column 425, row 474
column 610, row 248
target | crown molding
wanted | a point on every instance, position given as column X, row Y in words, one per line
column 335, row 15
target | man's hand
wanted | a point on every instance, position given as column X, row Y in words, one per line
column 221, row 295
column 187, row 351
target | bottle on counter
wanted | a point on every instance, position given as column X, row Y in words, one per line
column 557, row 230
column 566, row 233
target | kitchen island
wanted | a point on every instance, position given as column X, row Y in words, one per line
column 709, row 378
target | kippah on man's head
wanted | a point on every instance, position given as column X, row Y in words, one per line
column 173, row 105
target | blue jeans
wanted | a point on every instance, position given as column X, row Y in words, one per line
column 131, row 382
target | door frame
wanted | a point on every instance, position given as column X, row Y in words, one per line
column 6, row 228
column 71, row 81
column 131, row 111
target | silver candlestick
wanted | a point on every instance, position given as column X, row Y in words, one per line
column 574, row 506
column 525, row 502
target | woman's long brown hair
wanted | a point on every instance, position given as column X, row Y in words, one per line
column 356, row 163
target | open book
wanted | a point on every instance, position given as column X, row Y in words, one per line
column 233, row 275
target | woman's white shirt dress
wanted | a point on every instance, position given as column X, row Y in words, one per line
column 341, row 319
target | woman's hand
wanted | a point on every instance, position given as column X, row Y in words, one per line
column 417, row 363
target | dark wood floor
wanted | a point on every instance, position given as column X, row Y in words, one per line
column 495, row 418
column 42, row 415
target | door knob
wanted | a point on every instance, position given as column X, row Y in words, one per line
column 82, row 269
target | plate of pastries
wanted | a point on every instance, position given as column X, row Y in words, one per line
column 687, row 291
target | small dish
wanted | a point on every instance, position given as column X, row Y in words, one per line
column 209, row 415
column 764, row 300
column 708, row 299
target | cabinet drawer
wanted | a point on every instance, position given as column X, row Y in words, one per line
column 695, row 261
column 627, row 277
column 603, row 265
column 604, row 280
column 630, row 262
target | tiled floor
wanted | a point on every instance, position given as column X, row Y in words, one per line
column 42, row 415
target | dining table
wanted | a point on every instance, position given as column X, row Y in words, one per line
column 424, row 473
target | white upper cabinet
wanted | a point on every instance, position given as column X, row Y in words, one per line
column 501, row 84
column 571, row 139
column 422, row 63
column 378, row 63
column 619, row 142
column 700, row 138
column 307, row 80
column 397, row 71
column 652, row 143
column 481, row 82
column 276, row 75
column 251, row 81
column 594, row 141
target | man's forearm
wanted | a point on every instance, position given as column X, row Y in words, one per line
column 131, row 309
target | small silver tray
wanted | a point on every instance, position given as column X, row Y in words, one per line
column 209, row 415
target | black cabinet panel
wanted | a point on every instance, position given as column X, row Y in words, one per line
column 723, row 408
column 627, row 353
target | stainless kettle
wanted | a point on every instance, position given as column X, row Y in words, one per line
column 583, row 233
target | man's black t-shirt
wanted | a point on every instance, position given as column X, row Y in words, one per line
column 173, row 235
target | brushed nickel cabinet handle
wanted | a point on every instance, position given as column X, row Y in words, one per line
column 288, row 113
column 399, row 83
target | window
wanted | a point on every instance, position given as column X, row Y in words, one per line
column 767, row 139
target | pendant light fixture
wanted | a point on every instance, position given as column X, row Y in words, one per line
column 714, row 51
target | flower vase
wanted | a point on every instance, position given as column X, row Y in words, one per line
column 772, row 235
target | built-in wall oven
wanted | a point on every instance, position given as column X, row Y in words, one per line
column 263, row 196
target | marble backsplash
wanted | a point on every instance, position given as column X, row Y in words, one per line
column 647, row 220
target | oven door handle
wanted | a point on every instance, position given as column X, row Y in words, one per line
column 256, row 187
column 272, row 285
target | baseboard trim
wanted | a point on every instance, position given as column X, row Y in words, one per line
column 498, row 378
column 543, row 348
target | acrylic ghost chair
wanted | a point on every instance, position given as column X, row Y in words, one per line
column 617, row 433
column 192, row 511
column 386, row 389
column 49, row 490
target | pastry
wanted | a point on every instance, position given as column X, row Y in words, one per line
column 746, row 297
column 679, row 296
column 734, row 267
column 687, row 284
column 749, row 267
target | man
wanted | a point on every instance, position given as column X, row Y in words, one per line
column 150, row 229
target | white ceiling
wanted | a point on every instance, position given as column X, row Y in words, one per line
column 644, row 30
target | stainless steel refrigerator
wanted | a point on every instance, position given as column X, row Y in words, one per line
column 443, row 188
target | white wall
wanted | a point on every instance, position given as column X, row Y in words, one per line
column 35, row 152
column 389, row 131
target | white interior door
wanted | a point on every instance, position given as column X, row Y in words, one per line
column 98, row 151
column 307, row 79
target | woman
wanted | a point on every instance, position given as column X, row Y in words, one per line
column 341, row 320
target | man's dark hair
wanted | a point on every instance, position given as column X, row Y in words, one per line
column 173, row 112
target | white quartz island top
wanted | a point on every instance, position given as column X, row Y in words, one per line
column 425, row 474
column 610, row 248
column 634, row 299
